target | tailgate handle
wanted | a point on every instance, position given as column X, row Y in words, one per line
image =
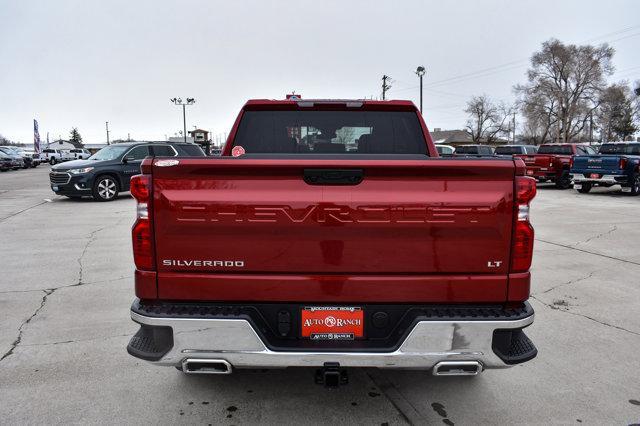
column 333, row 176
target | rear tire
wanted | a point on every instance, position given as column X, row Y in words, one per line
column 564, row 182
column 586, row 187
column 52, row 161
column 105, row 188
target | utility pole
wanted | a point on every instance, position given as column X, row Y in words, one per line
column 385, row 86
column 106, row 123
column 420, row 71
column 178, row 101
column 514, row 127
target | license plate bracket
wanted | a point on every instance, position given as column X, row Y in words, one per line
column 332, row 322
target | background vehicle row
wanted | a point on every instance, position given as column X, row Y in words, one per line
column 615, row 164
column 15, row 157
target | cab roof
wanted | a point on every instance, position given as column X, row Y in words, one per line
column 332, row 104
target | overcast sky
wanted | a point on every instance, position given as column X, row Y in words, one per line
column 81, row 63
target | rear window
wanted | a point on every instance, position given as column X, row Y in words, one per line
column 444, row 149
column 620, row 148
column 163, row 151
column 509, row 150
column 555, row 149
column 192, row 150
column 467, row 150
column 330, row 132
column 49, row 151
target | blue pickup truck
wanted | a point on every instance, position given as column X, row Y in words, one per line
column 615, row 164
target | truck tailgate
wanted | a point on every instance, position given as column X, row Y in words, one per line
column 602, row 163
column 227, row 226
column 537, row 161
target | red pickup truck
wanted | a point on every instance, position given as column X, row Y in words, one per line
column 552, row 162
column 329, row 234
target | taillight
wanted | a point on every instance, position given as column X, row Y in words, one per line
column 571, row 162
column 522, row 245
column 623, row 163
column 140, row 187
column 142, row 231
column 525, row 189
column 142, row 236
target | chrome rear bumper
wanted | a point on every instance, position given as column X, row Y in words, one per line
column 236, row 342
column 605, row 179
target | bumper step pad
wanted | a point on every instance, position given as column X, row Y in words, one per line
column 151, row 342
column 513, row 346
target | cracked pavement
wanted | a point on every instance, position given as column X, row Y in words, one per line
column 66, row 286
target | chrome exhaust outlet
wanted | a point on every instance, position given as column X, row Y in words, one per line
column 206, row 366
column 457, row 368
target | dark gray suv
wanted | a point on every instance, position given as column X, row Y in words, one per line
column 107, row 172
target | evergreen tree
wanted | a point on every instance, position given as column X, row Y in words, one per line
column 75, row 138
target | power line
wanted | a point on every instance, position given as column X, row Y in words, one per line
column 625, row 37
column 508, row 66
column 624, row 30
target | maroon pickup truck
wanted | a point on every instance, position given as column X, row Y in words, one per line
column 552, row 162
column 330, row 234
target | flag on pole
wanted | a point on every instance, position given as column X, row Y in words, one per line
column 36, row 137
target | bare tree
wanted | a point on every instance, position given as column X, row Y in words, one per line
column 563, row 88
column 8, row 142
column 487, row 120
column 345, row 135
column 539, row 112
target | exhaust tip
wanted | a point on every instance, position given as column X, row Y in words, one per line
column 206, row 366
column 457, row 368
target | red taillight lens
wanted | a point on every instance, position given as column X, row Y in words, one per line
column 522, row 250
column 143, row 253
column 140, row 188
column 522, row 245
column 142, row 231
column 571, row 162
column 525, row 189
column 623, row 163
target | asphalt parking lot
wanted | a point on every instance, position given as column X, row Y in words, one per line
column 66, row 286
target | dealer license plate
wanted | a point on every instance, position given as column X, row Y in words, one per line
column 332, row 322
column 529, row 172
column 594, row 176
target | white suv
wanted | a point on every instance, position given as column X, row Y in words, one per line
column 54, row 156
column 80, row 154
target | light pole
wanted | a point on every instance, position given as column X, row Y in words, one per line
column 106, row 124
column 189, row 101
column 420, row 72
